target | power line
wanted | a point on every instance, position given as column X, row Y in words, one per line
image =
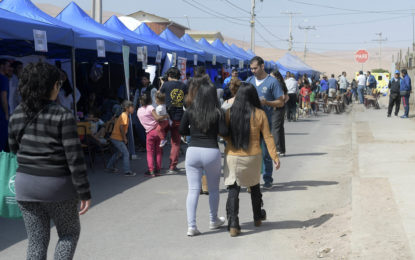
column 237, row 7
column 265, row 40
column 345, row 9
column 268, row 31
column 211, row 13
column 363, row 22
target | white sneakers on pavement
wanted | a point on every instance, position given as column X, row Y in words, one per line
column 219, row 222
column 191, row 232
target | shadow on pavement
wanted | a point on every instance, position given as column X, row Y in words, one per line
column 304, row 154
column 298, row 185
column 104, row 186
column 248, row 227
column 296, row 133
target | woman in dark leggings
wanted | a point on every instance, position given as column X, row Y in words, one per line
column 243, row 154
column 52, row 176
column 278, row 117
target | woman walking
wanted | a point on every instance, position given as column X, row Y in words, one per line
column 52, row 176
column 243, row 156
column 233, row 87
column 203, row 121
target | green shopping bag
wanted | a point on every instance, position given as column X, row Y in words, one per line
column 8, row 204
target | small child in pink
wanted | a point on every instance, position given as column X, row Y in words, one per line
column 148, row 118
column 163, row 125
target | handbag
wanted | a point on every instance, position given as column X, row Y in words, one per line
column 8, row 167
column 8, row 203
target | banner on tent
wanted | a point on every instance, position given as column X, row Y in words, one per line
column 140, row 54
column 195, row 59
column 214, row 60
column 41, row 41
column 229, row 62
column 158, row 56
column 145, row 58
column 241, row 64
column 181, row 65
column 174, row 57
column 168, row 63
column 101, row 48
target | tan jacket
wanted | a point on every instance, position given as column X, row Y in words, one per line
column 259, row 124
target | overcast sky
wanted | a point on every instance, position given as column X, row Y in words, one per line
column 340, row 25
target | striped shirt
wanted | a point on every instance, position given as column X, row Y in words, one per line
column 50, row 146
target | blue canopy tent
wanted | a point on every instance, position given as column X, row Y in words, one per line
column 294, row 65
column 227, row 55
column 171, row 37
column 114, row 24
column 219, row 45
column 251, row 52
column 237, row 51
column 146, row 32
column 74, row 15
column 17, row 36
column 209, row 51
column 82, row 39
column 246, row 53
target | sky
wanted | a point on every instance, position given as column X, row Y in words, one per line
column 339, row 25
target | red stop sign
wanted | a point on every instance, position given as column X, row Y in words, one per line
column 361, row 56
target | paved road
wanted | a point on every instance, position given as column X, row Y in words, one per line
column 141, row 218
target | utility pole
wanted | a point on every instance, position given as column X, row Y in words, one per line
column 253, row 25
column 306, row 29
column 97, row 10
column 380, row 40
column 290, row 30
column 413, row 30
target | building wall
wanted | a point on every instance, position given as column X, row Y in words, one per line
column 160, row 27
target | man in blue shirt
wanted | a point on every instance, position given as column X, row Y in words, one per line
column 4, row 103
column 271, row 95
column 332, row 86
column 324, row 85
column 406, row 88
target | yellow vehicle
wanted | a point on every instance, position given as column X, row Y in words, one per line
column 382, row 81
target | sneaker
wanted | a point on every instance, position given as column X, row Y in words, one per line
column 163, row 143
column 173, row 171
column 267, row 185
column 157, row 172
column 112, row 170
column 202, row 192
column 149, row 174
column 389, row 115
column 130, row 174
column 191, row 232
column 282, row 154
column 184, row 139
column 404, row 116
column 219, row 222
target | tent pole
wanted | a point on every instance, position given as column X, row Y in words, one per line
column 74, row 82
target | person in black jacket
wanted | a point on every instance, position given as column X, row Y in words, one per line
column 394, row 95
column 52, row 174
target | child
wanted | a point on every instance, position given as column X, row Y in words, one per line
column 119, row 140
column 305, row 93
column 313, row 102
column 163, row 125
column 148, row 118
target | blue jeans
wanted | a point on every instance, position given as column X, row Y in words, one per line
column 405, row 102
column 360, row 92
column 267, row 164
column 121, row 151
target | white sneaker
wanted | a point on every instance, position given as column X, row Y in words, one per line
column 191, row 232
column 163, row 143
column 219, row 222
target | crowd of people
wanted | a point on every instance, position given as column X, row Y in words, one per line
column 247, row 116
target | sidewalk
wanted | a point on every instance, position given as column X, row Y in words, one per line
column 383, row 221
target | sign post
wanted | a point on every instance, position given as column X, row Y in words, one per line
column 361, row 56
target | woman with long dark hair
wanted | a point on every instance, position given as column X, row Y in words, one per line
column 52, row 175
column 243, row 154
column 278, row 117
column 203, row 121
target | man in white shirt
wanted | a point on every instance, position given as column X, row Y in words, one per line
column 292, row 87
column 343, row 83
column 361, row 83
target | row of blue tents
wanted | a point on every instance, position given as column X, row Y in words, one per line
column 73, row 29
